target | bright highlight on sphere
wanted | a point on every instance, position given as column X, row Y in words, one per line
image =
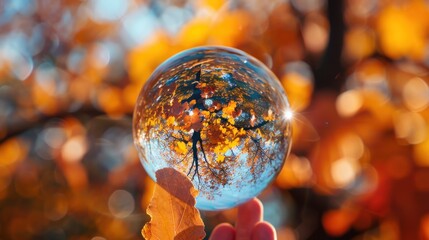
column 219, row 116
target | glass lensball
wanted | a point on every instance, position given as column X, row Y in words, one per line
column 219, row 116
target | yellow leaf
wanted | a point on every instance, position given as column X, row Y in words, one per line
column 234, row 143
column 220, row 158
column 229, row 110
column 172, row 209
column 170, row 120
column 181, row 147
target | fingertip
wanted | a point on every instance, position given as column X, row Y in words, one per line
column 264, row 231
column 257, row 202
column 223, row 231
column 249, row 214
column 253, row 206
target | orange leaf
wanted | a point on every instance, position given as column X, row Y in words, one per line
column 172, row 209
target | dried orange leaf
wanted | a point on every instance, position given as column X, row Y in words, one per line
column 172, row 209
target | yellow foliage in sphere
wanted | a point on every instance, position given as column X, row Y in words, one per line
column 181, row 147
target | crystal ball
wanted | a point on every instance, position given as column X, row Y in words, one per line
column 219, row 116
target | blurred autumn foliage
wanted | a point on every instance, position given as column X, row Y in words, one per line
column 355, row 71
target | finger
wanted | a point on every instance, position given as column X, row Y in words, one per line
column 249, row 214
column 264, row 231
column 223, row 231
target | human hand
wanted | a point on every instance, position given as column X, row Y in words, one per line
column 249, row 225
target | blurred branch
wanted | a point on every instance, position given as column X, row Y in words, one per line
column 329, row 72
column 19, row 127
